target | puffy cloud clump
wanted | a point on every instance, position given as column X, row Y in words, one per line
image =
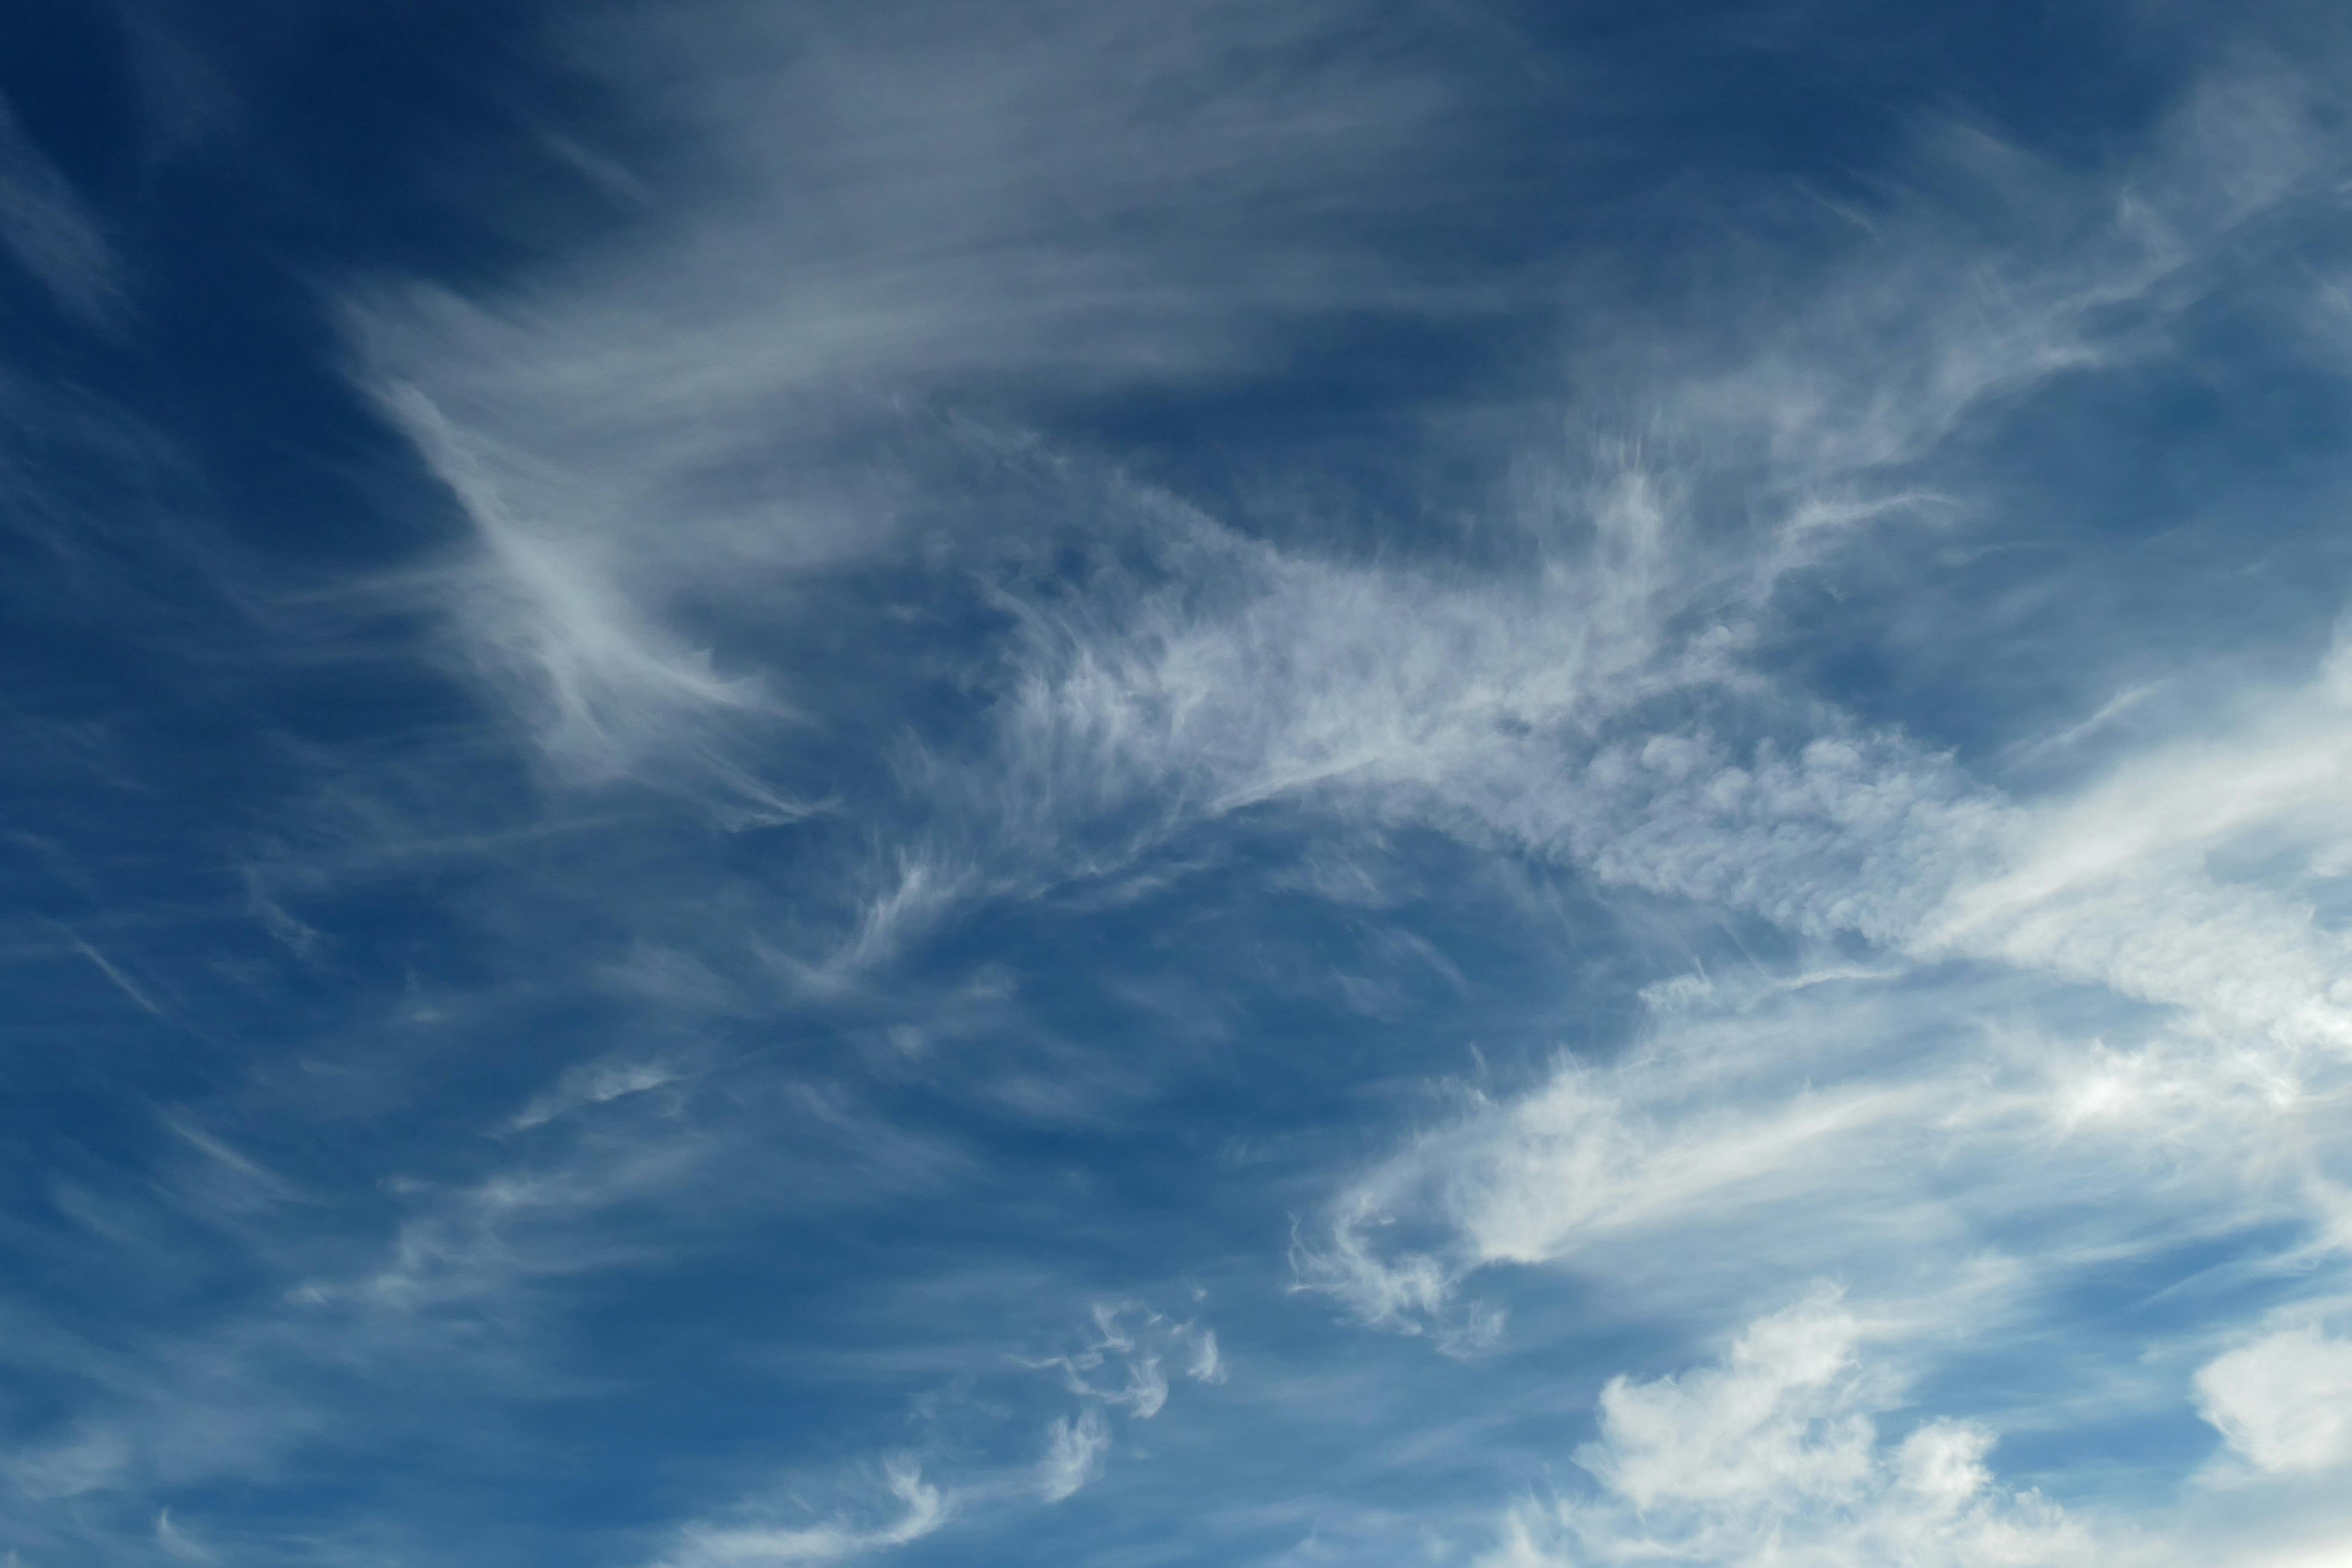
column 1773, row 1456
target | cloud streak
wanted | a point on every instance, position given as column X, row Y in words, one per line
column 51, row 233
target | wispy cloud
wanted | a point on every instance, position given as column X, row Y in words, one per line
column 1074, row 1455
column 593, row 1083
column 922, row 1509
column 1076, row 1449
column 176, row 1542
column 716, row 406
column 1686, row 1170
column 114, row 976
column 605, row 687
column 1130, row 1341
column 49, row 230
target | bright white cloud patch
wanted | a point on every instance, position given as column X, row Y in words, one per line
column 1774, row 1456
column 1858, row 1121
column 2283, row 1403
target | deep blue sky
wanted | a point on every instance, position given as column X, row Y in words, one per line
column 1446, row 782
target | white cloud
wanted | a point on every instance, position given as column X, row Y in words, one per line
column 1124, row 1339
column 593, row 1083
column 1262, row 674
column 1075, row 1450
column 2114, row 884
column 1131, row 1339
column 1552, row 710
column 729, row 395
column 1208, row 1364
column 1890, row 1126
column 922, row 1509
column 1269, row 673
column 2283, row 1403
column 604, row 684
column 1504, row 713
column 1610, row 706
column 1773, row 1456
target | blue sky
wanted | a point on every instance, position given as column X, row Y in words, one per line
column 1374, row 782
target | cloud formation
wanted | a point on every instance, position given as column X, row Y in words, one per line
column 2281, row 1400
column 51, row 231
column 922, row 1510
column 1773, row 1456
column 751, row 745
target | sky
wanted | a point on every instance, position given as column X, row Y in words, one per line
column 1390, row 782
